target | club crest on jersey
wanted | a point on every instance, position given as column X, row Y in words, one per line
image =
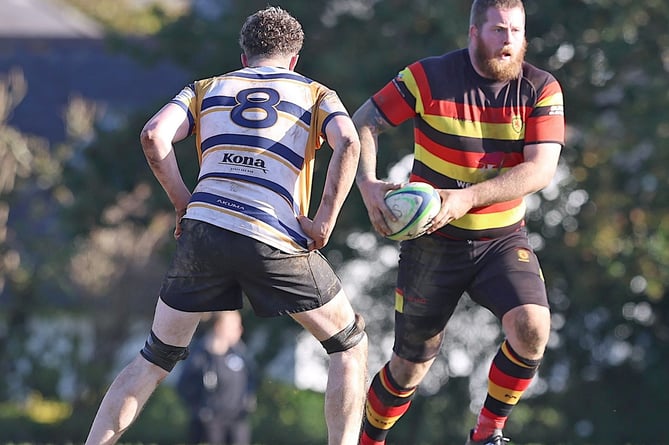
column 517, row 123
column 523, row 255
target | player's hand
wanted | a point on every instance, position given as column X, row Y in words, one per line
column 319, row 232
column 455, row 203
column 177, row 228
column 373, row 193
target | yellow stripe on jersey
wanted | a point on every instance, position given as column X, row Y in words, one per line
column 477, row 130
column 457, row 172
column 410, row 82
column 555, row 99
column 459, row 127
column 472, row 221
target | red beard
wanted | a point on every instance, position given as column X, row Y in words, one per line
column 492, row 67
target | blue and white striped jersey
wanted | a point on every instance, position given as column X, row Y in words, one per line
column 257, row 131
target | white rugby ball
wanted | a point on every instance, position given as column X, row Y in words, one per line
column 414, row 205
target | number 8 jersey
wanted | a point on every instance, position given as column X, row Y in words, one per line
column 257, row 131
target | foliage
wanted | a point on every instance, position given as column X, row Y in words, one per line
column 163, row 420
column 42, row 421
column 131, row 18
column 288, row 415
column 601, row 230
column 30, row 248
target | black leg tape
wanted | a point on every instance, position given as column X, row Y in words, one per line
column 347, row 338
column 160, row 354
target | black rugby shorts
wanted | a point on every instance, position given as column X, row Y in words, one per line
column 213, row 268
column 434, row 273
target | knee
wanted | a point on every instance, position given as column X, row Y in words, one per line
column 527, row 329
column 348, row 338
column 163, row 355
column 407, row 373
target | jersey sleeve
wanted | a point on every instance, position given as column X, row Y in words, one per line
column 395, row 100
column 186, row 99
column 546, row 123
column 329, row 106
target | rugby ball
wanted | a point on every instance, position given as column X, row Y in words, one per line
column 414, row 205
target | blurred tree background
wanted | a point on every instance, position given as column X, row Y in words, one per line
column 86, row 230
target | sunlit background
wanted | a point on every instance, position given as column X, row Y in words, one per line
column 85, row 230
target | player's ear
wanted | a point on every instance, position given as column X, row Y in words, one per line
column 472, row 32
column 293, row 61
column 245, row 60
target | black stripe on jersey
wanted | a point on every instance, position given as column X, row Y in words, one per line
column 547, row 111
column 436, row 179
column 469, row 144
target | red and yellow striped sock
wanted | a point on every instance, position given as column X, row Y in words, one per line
column 509, row 377
column 386, row 403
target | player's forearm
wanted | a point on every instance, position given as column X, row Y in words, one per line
column 163, row 164
column 340, row 177
column 520, row 181
column 368, row 150
column 369, row 124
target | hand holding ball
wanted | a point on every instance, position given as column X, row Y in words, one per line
column 414, row 205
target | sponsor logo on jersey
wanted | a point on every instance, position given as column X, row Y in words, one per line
column 556, row 110
column 230, row 204
column 246, row 163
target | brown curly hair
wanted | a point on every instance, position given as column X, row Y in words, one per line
column 271, row 32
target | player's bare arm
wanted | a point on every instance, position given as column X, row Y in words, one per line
column 167, row 126
column 530, row 176
column 370, row 123
column 343, row 139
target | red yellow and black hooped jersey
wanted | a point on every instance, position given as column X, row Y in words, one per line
column 257, row 131
column 468, row 129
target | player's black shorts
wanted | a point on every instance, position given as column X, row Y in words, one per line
column 434, row 273
column 213, row 266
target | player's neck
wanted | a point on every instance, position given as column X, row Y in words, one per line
column 285, row 62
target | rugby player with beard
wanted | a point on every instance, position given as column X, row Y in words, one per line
column 488, row 131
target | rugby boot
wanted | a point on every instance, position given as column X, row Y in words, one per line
column 497, row 438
